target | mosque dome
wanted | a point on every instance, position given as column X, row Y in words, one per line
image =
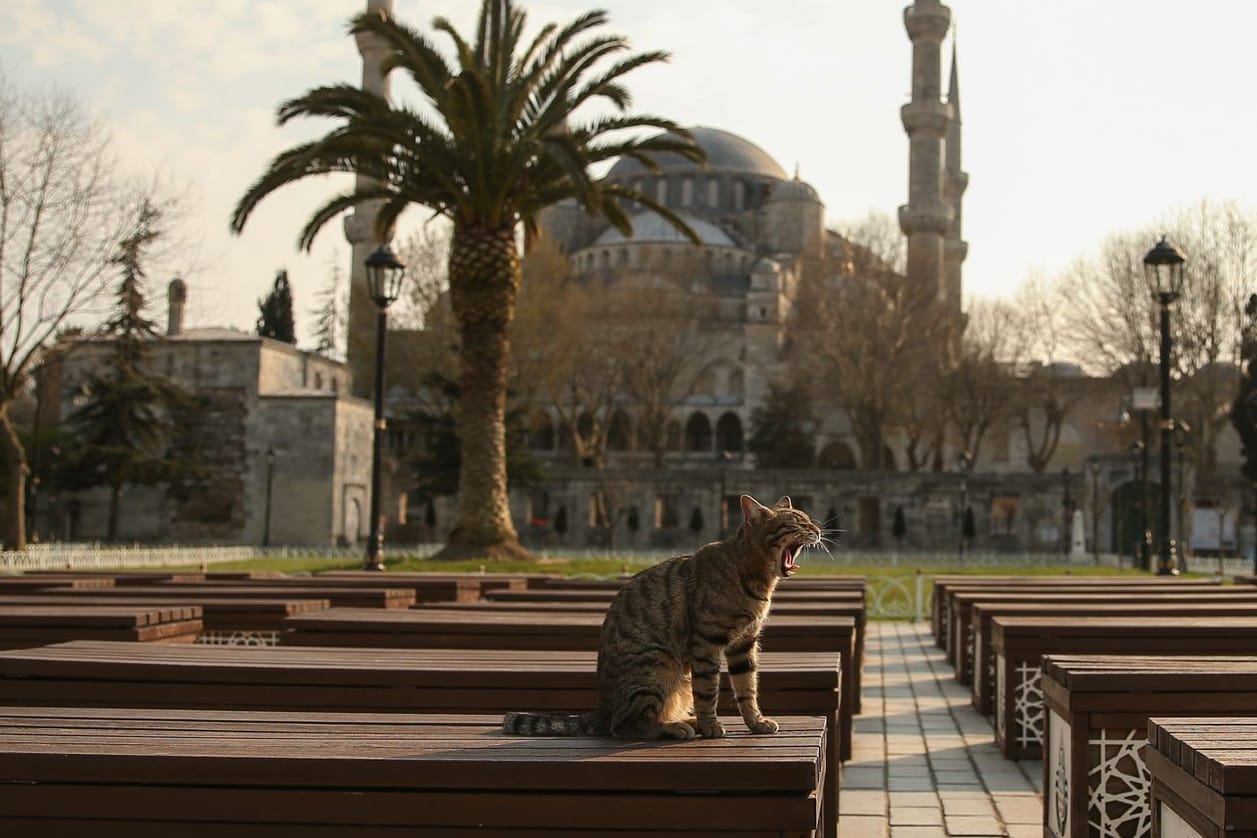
column 650, row 227
column 725, row 152
column 794, row 190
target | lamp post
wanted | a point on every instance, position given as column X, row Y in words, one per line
column 1181, row 431
column 964, row 462
column 1163, row 266
column 384, row 284
column 270, row 484
column 1093, row 466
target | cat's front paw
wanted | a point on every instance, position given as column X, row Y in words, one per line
column 712, row 729
column 762, row 725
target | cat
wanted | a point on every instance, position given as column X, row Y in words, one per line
column 667, row 632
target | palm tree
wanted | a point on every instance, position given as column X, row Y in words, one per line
column 498, row 143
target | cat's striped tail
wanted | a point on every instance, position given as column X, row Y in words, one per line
column 550, row 724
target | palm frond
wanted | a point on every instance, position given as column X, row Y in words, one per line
column 334, row 207
column 410, row 50
column 621, row 192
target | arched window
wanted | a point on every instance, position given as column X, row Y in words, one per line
column 837, row 455
column 619, row 432
column 713, row 192
column 739, row 195
column 541, row 435
column 661, row 191
column 698, row 433
column 729, row 433
column 687, row 191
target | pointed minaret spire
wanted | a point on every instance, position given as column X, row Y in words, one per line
column 955, row 181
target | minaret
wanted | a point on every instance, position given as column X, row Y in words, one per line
column 360, row 228
column 927, row 119
column 955, row 182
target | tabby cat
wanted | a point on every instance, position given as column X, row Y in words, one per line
column 667, row 631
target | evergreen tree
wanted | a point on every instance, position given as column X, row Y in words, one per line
column 122, row 432
column 781, row 435
column 275, row 320
column 330, row 318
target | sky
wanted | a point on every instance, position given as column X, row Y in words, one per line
column 1080, row 118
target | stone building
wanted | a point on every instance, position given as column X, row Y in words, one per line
column 283, row 449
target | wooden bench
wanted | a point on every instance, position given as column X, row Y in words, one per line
column 438, row 588
column 87, row 772
column 376, row 680
column 846, row 603
column 956, row 638
column 1021, row 642
column 348, row 596
column 28, row 584
column 224, row 622
column 22, row 626
column 1097, row 724
column 1204, row 777
column 440, row 628
column 980, row 658
column 484, row 581
column 942, row 585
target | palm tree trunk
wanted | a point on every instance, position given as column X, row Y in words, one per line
column 15, row 482
column 484, row 281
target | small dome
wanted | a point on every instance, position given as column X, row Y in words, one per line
column 725, row 152
column 651, row 227
column 794, row 190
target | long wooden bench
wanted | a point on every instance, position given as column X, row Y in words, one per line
column 347, row 596
column 1204, row 777
column 442, row 588
column 1021, row 642
column 839, row 602
column 978, row 655
column 87, row 772
column 819, row 583
column 225, row 622
column 22, row 626
column 29, row 584
column 1097, row 724
column 375, row 680
column 489, row 581
column 955, row 639
column 942, row 585
column 438, row 628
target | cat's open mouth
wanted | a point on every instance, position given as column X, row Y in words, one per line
column 788, row 556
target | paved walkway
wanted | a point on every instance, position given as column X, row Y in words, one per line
column 924, row 762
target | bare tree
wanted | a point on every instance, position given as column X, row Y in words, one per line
column 863, row 326
column 1047, row 390
column 425, row 253
column 1112, row 318
column 62, row 214
column 979, row 391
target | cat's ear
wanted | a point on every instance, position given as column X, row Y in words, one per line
column 752, row 510
column 784, row 503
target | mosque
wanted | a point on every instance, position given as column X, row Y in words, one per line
column 291, row 422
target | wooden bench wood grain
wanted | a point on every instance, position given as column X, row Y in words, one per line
column 978, row 652
column 1097, row 725
column 1021, row 642
column 442, row 628
column 22, row 626
column 75, row 772
column 348, row 596
column 1204, row 776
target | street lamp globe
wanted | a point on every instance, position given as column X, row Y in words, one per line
column 384, row 276
column 1163, row 267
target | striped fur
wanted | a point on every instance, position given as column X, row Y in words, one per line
column 668, row 633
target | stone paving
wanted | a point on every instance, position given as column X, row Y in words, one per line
column 924, row 762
